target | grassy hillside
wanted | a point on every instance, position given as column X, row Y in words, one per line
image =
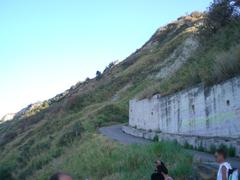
column 98, row 158
column 61, row 134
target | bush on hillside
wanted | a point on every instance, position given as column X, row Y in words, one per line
column 110, row 66
column 212, row 148
column 98, row 75
column 110, row 113
column 220, row 14
column 226, row 64
column 5, row 172
column 69, row 135
column 149, row 91
column 9, row 136
column 232, row 151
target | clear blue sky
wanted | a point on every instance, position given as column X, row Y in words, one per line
column 48, row 45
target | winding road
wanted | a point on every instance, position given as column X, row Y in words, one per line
column 115, row 132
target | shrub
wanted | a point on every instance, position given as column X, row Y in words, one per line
column 70, row 134
column 110, row 113
column 223, row 147
column 232, row 151
column 201, row 148
column 227, row 64
column 156, row 139
column 212, row 148
column 149, row 91
column 7, row 138
column 219, row 15
column 98, row 75
column 5, row 172
column 186, row 145
column 110, row 66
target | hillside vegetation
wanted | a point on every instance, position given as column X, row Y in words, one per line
column 60, row 133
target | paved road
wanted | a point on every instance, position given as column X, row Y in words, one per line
column 115, row 132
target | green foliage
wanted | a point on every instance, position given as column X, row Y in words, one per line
column 69, row 134
column 98, row 75
column 218, row 60
column 212, row 149
column 224, row 147
column 5, row 172
column 98, row 158
column 219, row 15
column 187, row 145
column 232, row 151
column 110, row 113
column 156, row 139
column 8, row 137
column 110, row 66
column 201, row 148
column 227, row 64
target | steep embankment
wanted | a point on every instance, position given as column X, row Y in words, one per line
column 45, row 138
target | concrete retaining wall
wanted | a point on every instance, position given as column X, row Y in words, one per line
column 198, row 111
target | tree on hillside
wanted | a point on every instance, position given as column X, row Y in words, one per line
column 236, row 4
column 110, row 66
column 219, row 14
column 98, row 75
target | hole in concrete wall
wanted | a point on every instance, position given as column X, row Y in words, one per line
column 193, row 108
column 151, row 113
column 228, row 102
column 131, row 110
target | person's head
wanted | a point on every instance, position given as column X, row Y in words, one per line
column 60, row 176
column 157, row 162
column 159, row 167
column 220, row 155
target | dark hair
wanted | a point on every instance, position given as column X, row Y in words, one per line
column 57, row 175
column 222, row 152
column 162, row 168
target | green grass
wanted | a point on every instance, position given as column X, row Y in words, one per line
column 49, row 138
column 98, row 158
column 215, row 61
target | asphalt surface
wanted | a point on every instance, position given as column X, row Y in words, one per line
column 115, row 132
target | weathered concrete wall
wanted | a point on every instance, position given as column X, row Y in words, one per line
column 199, row 111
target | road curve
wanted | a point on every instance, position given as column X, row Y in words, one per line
column 115, row 132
